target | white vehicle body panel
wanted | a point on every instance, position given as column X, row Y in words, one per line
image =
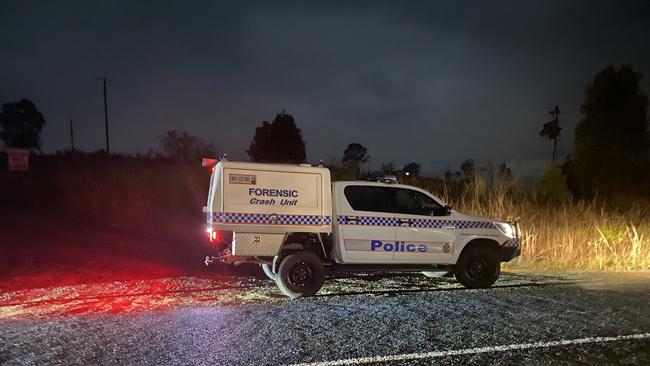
column 440, row 243
column 262, row 203
column 416, row 239
column 351, row 242
column 271, row 198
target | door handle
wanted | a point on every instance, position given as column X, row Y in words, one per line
column 351, row 219
column 402, row 222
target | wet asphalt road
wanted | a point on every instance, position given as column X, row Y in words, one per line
column 358, row 317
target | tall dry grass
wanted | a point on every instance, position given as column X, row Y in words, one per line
column 567, row 236
column 145, row 193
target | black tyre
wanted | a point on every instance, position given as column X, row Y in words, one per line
column 300, row 274
column 478, row 267
column 268, row 271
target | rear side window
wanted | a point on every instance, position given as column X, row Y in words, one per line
column 370, row 198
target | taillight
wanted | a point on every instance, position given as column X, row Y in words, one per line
column 213, row 235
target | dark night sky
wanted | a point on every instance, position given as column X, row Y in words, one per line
column 431, row 82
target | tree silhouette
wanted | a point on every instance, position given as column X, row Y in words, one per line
column 449, row 176
column 611, row 140
column 180, row 145
column 552, row 129
column 355, row 155
column 261, row 145
column 21, row 125
column 504, row 173
column 413, row 169
column 388, row 168
column 278, row 142
column 468, row 168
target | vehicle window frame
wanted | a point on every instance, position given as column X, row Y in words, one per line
column 387, row 207
column 438, row 209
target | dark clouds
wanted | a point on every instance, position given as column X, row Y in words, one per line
column 419, row 81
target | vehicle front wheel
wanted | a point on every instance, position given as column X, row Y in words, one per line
column 300, row 274
column 478, row 267
column 266, row 267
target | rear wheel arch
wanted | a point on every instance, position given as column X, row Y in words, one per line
column 298, row 242
column 303, row 241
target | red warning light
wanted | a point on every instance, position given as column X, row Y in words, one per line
column 207, row 162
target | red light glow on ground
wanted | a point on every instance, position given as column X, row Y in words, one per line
column 122, row 297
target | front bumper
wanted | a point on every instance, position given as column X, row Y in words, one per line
column 506, row 254
column 512, row 247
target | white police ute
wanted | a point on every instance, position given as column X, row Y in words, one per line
column 298, row 225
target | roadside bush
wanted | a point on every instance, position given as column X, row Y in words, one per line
column 552, row 188
column 113, row 190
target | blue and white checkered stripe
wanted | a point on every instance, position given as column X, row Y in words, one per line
column 424, row 223
column 458, row 224
column 267, row 219
column 367, row 220
column 511, row 243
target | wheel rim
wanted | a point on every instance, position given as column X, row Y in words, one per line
column 478, row 268
column 301, row 274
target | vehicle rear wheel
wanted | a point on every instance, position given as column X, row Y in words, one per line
column 266, row 267
column 478, row 267
column 300, row 274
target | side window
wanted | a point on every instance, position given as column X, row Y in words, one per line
column 412, row 202
column 370, row 198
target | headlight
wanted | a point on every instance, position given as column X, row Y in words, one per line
column 506, row 229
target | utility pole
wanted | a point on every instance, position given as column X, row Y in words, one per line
column 555, row 113
column 104, row 80
column 552, row 129
column 71, row 137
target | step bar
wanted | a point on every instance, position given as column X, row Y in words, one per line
column 387, row 268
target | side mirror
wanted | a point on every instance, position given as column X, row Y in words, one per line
column 440, row 211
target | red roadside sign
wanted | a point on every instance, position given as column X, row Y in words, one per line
column 18, row 159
